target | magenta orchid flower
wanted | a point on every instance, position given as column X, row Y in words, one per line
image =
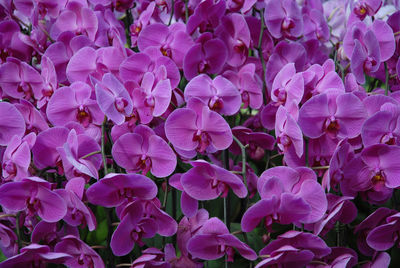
column 137, row 65
column 197, row 128
column 12, row 123
column 74, row 157
column 152, row 97
column 283, row 19
column 249, row 85
column 288, row 132
column 374, row 170
column 40, row 255
column 74, row 103
column 293, row 249
column 113, row 189
column 76, row 18
column 34, row 195
column 82, row 254
column 172, row 41
column 208, row 55
column 113, row 99
column 287, row 196
column 17, row 157
column 338, row 115
column 144, row 151
column 213, row 241
column 220, row 94
column 206, row 16
column 20, row 80
column 235, row 33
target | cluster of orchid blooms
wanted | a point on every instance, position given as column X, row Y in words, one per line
column 172, row 133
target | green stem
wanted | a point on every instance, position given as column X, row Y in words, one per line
column 186, row 11
column 260, row 53
column 386, row 80
column 103, row 147
column 90, row 154
column 172, row 12
column 18, row 231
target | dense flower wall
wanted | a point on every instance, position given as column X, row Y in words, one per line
column 188, row 133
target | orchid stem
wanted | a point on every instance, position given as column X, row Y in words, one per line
column 103, row 150
column 90, row 154
column 386, row 80
column 172, row 12
column 186, row 11
column 17, row 224
column 260, row 53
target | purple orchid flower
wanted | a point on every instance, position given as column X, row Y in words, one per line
column 88, row 61
column 382, row 32
column 74, row 103
column 142, row 21
column 82, row 254
column 339, row 257
column 188, row 227
column 34, row 119
column 288, row 86
column 140, row 219
column 338, row 115
column 293, row 249
column 45, row 153
column 343, row 154
column 381, row 237
column 363, row 8
column 132, row 228
column 20, row 80
column 144, row 150
column 74, row 157
column 152, row 97
column 213, row 241
column 197, row 128
column 50, row 233
column 235, row 33
column 9, row 241
column 374, row 170
column 189, row 205
column 205, row 182
column 249, row 85
column 382, row 127
column 40, row 255
column 257, row 142
column 137, row 65
column 12, row 123
column 61, row 51
column 287, row 196
column 110, row 30
column 283, row 54
column 34, row 195
column 172, row 41
column 154, row 257
column 220, row 94
column 17, row 157
column 113, row 98
column 321, row 79
column 208, row 55
column 11, row 44
column 374, row 220
column 114, row 189
column 77, row 212
column 288, row 132
column 283, row 19
column 315, row 26
column 340, row 208
column 206, row 16
column 76, row 18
